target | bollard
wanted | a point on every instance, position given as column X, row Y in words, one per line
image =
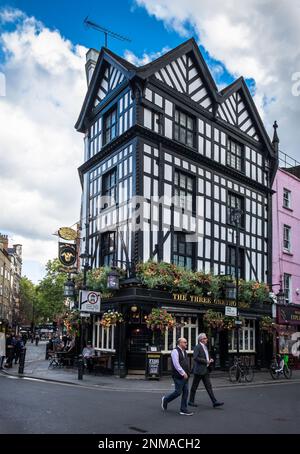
column 80, row 367
column 47, row 351
column 22, row 361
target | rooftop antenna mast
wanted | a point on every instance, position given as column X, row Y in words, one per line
column 90, row 24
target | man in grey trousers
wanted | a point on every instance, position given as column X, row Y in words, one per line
column 202, row 361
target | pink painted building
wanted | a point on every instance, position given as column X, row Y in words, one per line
column 286, row 251
column 286, row 234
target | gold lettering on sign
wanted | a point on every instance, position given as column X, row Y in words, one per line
column 205, row 300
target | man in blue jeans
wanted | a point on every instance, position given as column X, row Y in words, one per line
column 180, row 374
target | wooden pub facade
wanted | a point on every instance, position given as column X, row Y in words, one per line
column 164, row 133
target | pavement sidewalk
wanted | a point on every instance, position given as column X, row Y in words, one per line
column 36, row 367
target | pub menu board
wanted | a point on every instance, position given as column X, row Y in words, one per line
column 153, row 365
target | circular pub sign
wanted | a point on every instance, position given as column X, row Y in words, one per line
column 67, row 254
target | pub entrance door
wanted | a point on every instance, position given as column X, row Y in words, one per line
column 139, row 338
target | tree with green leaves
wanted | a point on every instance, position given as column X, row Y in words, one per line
column 28, row 300
column 50, row 292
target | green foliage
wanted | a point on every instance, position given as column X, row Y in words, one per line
column 28, row 299
column 50, row 292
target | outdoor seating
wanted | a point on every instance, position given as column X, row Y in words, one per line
column 101, row 363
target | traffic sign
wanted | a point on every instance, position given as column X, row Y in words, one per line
column 230, row 311
column 90, row 301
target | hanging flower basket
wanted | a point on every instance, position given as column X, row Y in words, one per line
column 267, row 324
column 160, row 320
column 111, row 318
column 72, row 323
column 213, row 319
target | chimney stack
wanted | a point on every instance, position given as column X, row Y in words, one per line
column 4, row 241
column 91, row 60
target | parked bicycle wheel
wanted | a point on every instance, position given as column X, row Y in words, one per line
column 273, row 372
column 287, row 372
column 249, row 374
column 234, row 374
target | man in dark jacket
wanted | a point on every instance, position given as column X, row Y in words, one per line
column 202, row 362
column 180, row 374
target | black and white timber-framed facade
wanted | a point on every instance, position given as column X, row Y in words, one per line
column 165, row 133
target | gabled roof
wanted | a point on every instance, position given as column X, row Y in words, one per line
column 190, row 46
column 184, row 48
column 240, row 86
column 105, row 56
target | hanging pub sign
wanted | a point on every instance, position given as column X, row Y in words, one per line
column 66, row 233
column 288, row 315
column 67, row 254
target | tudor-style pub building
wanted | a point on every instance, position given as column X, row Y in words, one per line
column 165, row 132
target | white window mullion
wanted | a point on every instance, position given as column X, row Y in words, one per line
column 113, row 337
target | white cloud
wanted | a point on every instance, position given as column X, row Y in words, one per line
column 40, row 149
column 8, row 15
column 146, row 57
column 259, row 40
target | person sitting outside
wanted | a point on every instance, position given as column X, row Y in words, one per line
column 88, row 354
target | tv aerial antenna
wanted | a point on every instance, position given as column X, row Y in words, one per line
column 91, row 24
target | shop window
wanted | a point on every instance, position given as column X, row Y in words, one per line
column 247, row 338
column 185, row 327
column 103, row 338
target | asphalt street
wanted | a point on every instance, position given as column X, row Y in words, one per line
column 28, row 406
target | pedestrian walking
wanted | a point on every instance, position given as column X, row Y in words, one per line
column 37, row 338
column 201, row 369
column 180, row 374
column 2, row 349
column 18, row 348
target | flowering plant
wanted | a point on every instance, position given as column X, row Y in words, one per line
column 111, row 318
column 72, row 323
column 160, row 320
column 214, row 319
column 267, row 324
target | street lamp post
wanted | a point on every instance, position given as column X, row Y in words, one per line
column 236, row 214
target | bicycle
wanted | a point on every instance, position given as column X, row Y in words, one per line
column 279, row 366
column 240, row 372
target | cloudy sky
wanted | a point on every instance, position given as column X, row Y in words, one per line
column 42, row 51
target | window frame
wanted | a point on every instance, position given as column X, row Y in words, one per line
column 106, row 128
column 287, row 244
column 184, row 323
column 230, row 154
column 178, row 174
column 287, row 289
column 103, row 338
column 183, row 255
column 111, row 190
column 185, row 127
column 251, row 331
column 286, row 201
column 104, row 249
column 230, row 195
column 230, row 266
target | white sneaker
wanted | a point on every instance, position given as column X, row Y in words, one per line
column 163, row 403
column 186, row 413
